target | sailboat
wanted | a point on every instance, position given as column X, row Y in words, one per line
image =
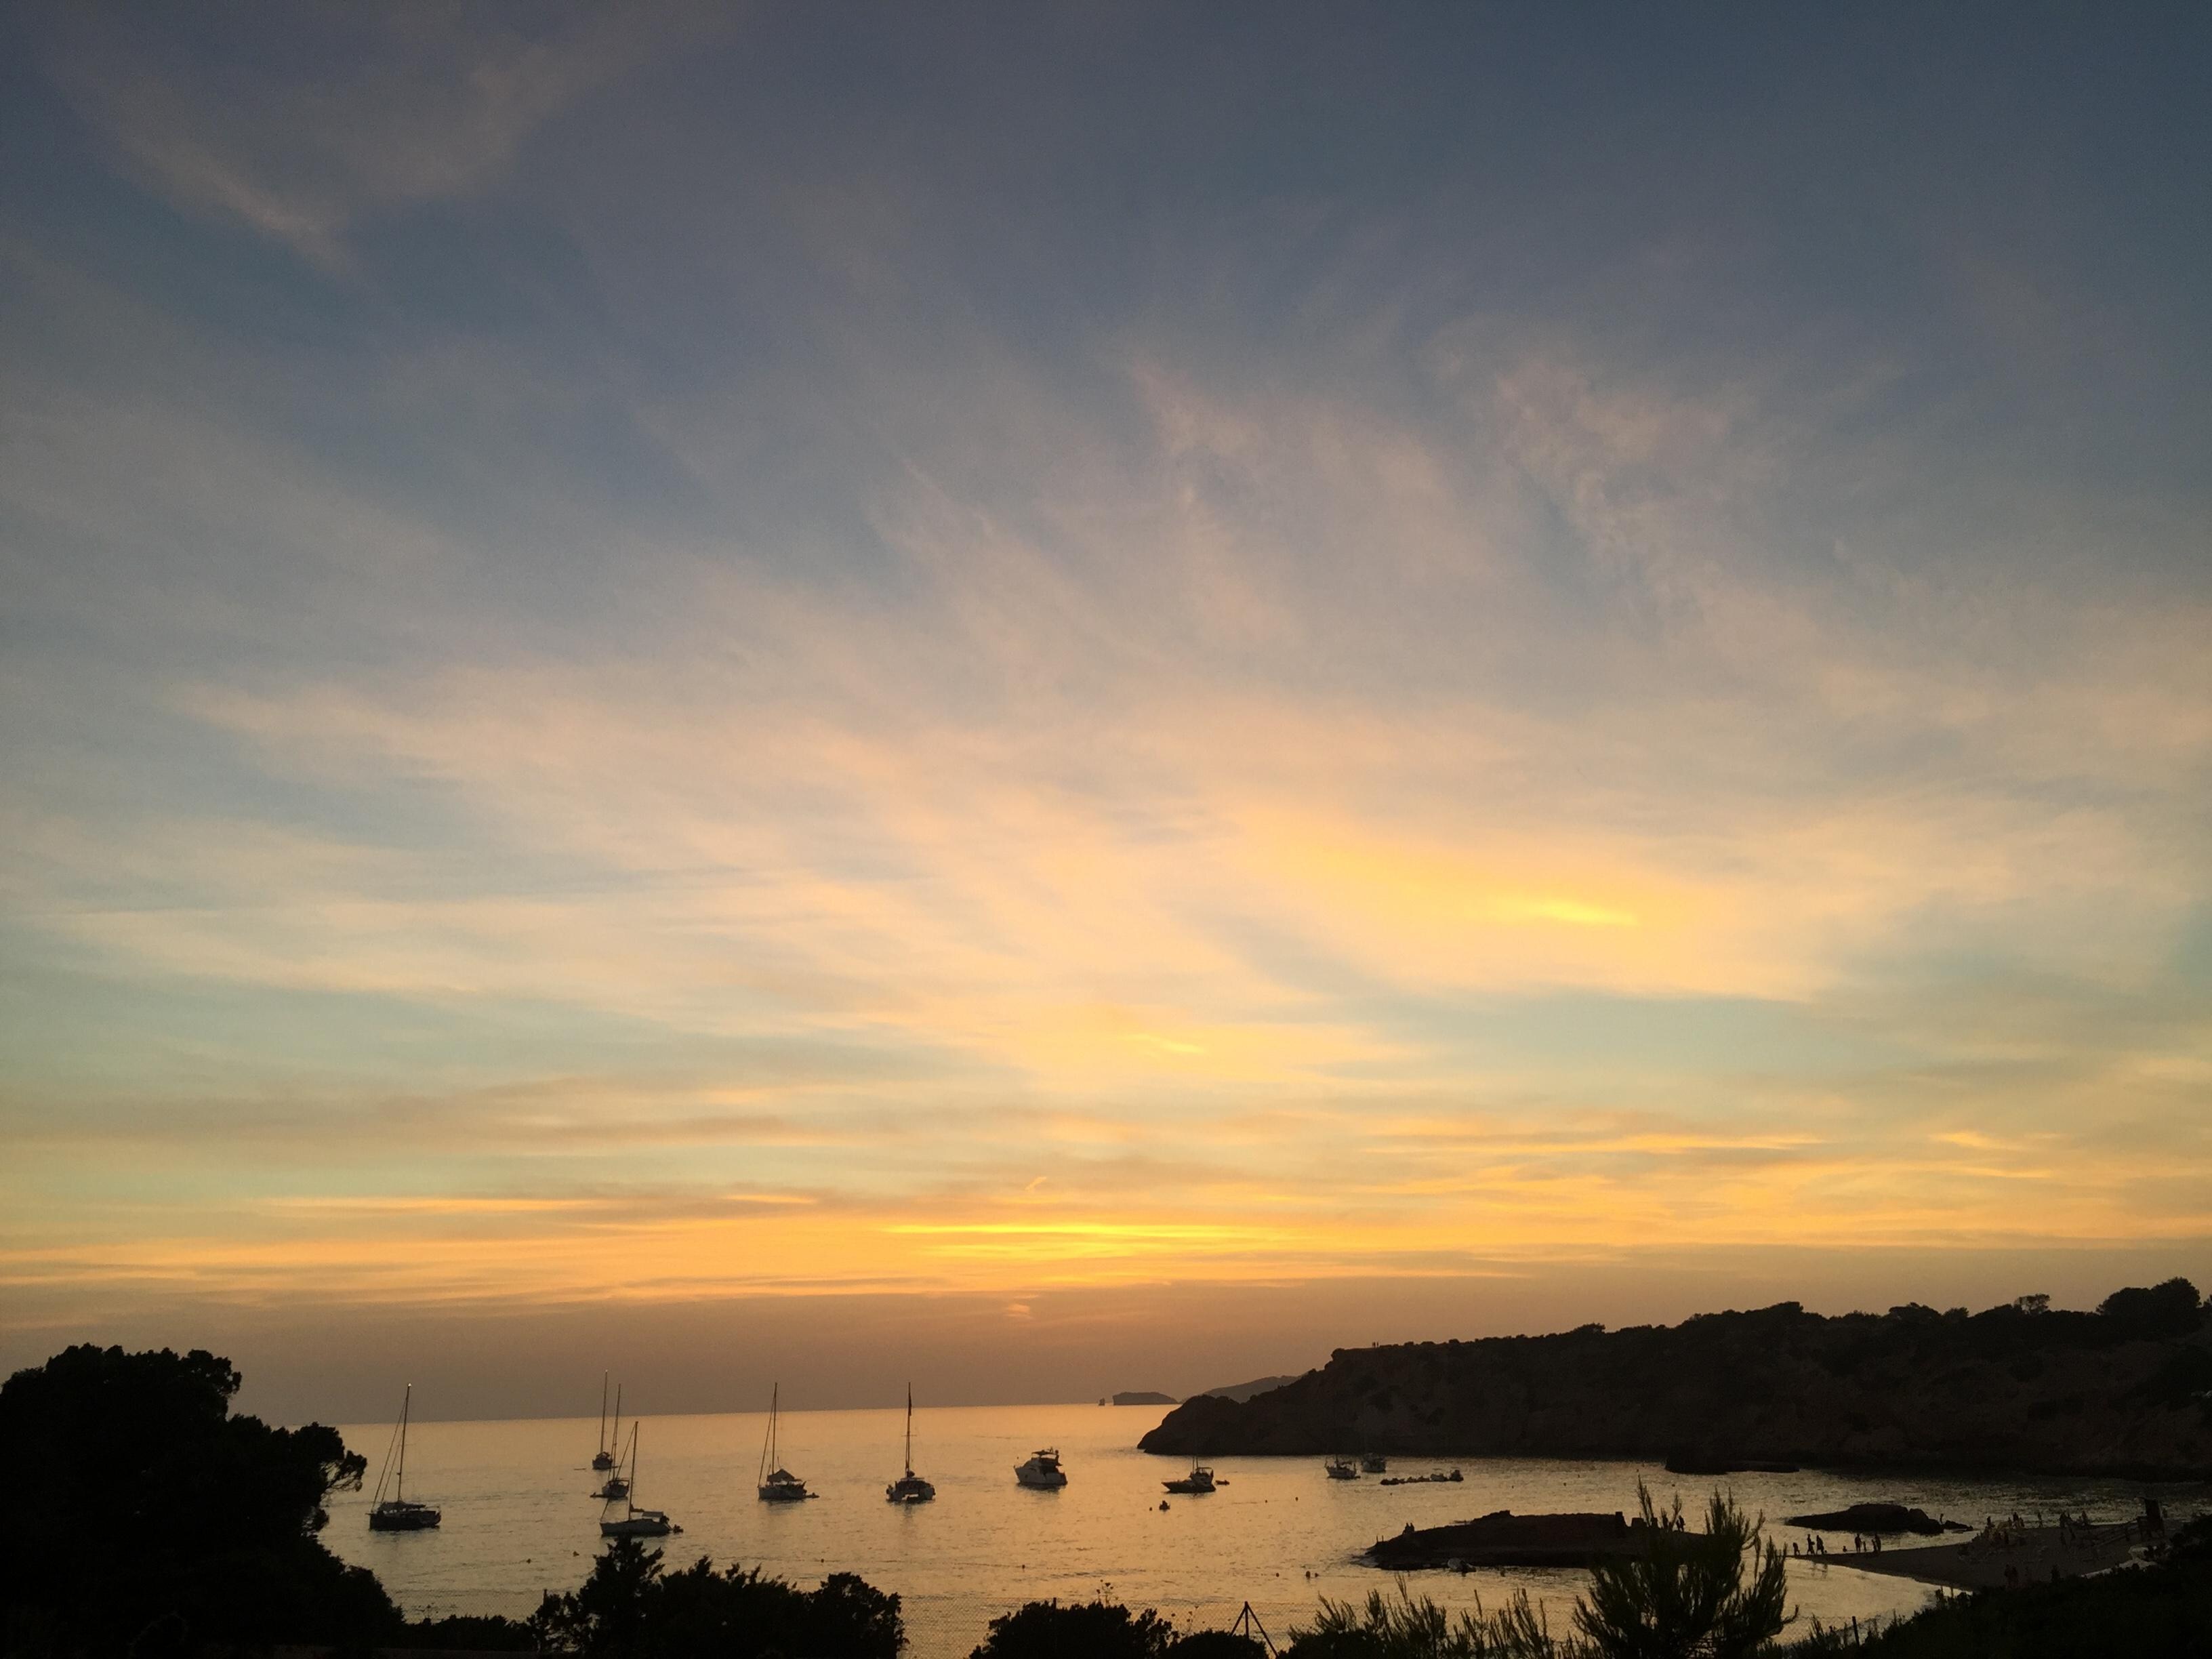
column 1342, row 1468
column 615, row 1486
column 777, row 1484
column 635, row 1522
column 604, row 1459
column 910, row 1488
column 395, row 1513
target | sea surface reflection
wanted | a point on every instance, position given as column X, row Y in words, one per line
column 520, row 1519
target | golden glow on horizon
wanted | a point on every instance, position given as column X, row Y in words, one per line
column 1521, row 1204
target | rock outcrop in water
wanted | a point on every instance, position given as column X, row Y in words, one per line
column 1889, row 1520
column 2127, row 1390
column 1504, row 1539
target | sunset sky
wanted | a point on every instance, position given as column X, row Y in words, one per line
column 1138, row 689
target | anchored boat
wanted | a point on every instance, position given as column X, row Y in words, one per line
column 777, row 1484
column 604, row 1459
column 395, row 1513
column 616, row 1487
column 1043, row 1471
column 633, row 1521
column 1200, row 1480
column 910, row 1488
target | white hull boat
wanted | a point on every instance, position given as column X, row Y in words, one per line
column 1042, row 1472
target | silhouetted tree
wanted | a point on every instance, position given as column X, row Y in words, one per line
column 141, row 1507
column 1408, row 1627
column 2172, row 1309
column 629, row 1606
column 1082, row 1629
column 1683, row 1596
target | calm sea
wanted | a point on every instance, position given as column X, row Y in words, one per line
column 520, row 1519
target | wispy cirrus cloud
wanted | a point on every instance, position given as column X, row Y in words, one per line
column 408, row 108
column 718, row 723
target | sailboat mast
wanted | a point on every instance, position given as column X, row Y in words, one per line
column 768, row 1465
column 909, row 1428
column 603, row 1412
column 399, row 1488
column 617, row 1414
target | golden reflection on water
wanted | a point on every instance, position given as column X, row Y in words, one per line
column 520, row 1519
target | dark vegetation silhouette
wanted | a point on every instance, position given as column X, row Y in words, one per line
column 2126, row 1390
column 2162, row 1610
column 1718, row 1593
column 150, row 1522
column 1714, row 1593
column 1102, row 1630
column 629, row 1605
column 147, row 1520
column 142, row 1511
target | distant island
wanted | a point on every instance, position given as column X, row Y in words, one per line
column 1142, row 1397
column 2126, row 1390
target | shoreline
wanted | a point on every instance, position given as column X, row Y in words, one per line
column 2034, row 1555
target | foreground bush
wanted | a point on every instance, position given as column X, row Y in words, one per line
column 1102, row 1630
column 1414, row 1627
column 1684, row 1595
column 630, row 1606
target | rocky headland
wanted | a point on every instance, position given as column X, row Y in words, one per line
column 2126, row 1391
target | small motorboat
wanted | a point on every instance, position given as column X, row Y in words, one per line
column 1374, row 1462
column 1200, row 1480
column 1043, row 1471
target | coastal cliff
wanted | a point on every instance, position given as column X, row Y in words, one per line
column 2125, row 1391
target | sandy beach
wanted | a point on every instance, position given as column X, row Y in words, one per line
column 2032, row 1555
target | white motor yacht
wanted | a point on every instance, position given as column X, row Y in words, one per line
column 1043, row 1471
